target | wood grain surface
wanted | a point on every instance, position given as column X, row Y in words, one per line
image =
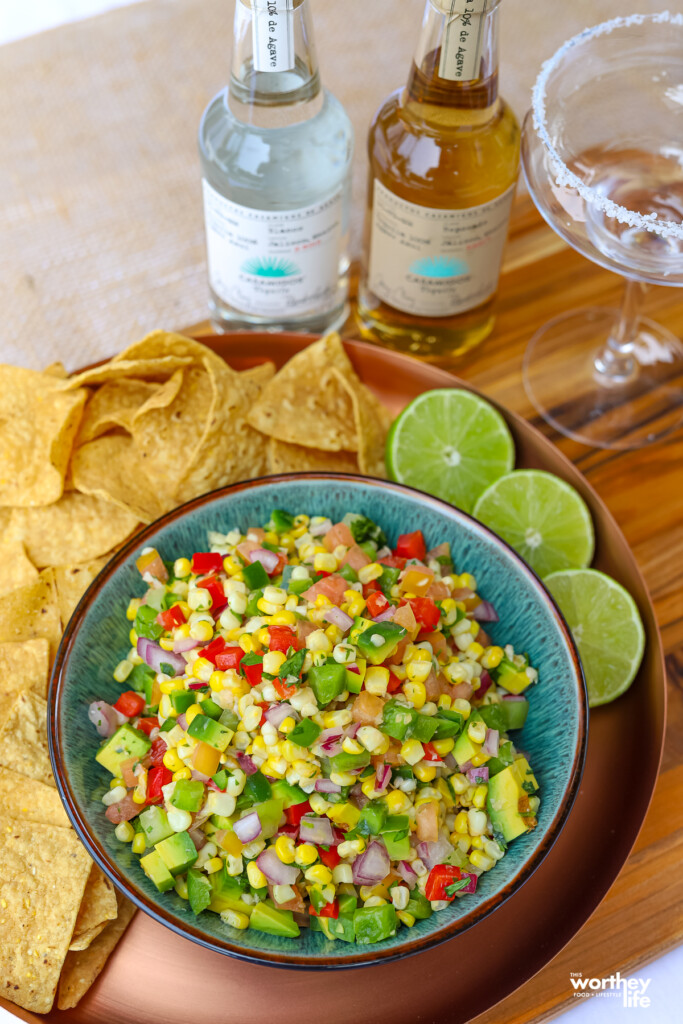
column 639, row 919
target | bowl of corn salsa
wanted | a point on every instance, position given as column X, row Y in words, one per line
column 318, row 720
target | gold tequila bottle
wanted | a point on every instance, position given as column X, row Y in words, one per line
column 444, row 159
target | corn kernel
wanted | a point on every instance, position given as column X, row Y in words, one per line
column 319, row 873
column 124, row 832
column 172, row 761
column 132, row 609
column 412, row 751
column 371, row 738
column 283, row 618
column 443, row 747
column 397, row 802
column 133, row 638
column 479, row 798
column 306, row 854
column 139, row 845
column 286, row 725
column 492, row 657
column 477, row 822
column 325, row 562
column 481, row 860
column 462, row 706
column 424, row 771
column 213, row 865
column 273, row 662
column 318, row 803
column 182, row 773
column 377, row 680
column 256, row 876
column 478, row 759
column 461, row 824
column 285, row 849
column 405, row 918
column 477, row 731
column 370, row 572
column 235, row 918
column 171, row 686
column 415, row 692
column 351, row 746
column 123, row 670
column 333, row 634
column 342, row 874
column 202, row 669
column 474, row 651
column 350, row 847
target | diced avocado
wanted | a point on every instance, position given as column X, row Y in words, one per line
column 373, row 924
column 213, row 710
column 221, row 822
column 340, row 927
column 225, row 886
column 502, row 804
column 155, row 869
column 397, row 718
column 274, row 922
column 493, row 715
column 230, row 719
column 380, row 640
column 188, row 795
column 359, row 626
column 206, row 730
column 347, row 903
column 354, row 680
column 527, row 779
column 270, row 813
column 181, row 700
column 304, row 732
column 288, row 794
column 397, row 844
column 326, row 681
column 514, row 713
column 423, row 727
column 510, row 677
column 154, row 824
column 178, row 852
column 125, row 743
column 465, row 748
column 198, row 890
column 220, row 903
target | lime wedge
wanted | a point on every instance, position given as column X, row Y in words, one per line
column 544, row 519
column 606, row 626
column 451, row 444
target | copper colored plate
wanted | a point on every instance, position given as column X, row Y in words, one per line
column 161, row 978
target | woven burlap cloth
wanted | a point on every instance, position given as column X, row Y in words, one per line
column 101, row 233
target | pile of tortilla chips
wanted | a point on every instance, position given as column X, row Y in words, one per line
column 84, row 460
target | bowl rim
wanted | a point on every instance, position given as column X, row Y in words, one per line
column 293, row 961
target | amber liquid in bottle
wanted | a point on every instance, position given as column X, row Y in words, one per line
column 441, row 145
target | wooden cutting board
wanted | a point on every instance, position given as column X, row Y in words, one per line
column 642, row 916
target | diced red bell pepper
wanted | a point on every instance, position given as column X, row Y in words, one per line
column 329, row 857
column 370, row 588
column 147, row 724
column 157, row 750
column 295, row 813
column 411, row 545
column 130, row 703
column 283, row 689
column 282, row 638
column 430, row 753
column 440, row 877
column 214, row 588
column 157, row 777
column 254, row 673
column 426, row 612
column 288, row 830
column 377, row 603
column 215, row 648
column 206, row 561
column 394, row 684
column 228, row 658
column 264, row 705
column 172, row 617
column 328, row 910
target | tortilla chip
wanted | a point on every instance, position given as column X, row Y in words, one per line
column 98, row 906
column 305, row 403
column 29, row 613
column 71, row 582
column 165, row 344
column 43, row 871
column 29, row 800
column 113, row 405
column 293, row 458
column 372, row 425
column 116, row 369
column 23, row 739
column 76, row 528
column 23, row 667
column 81, row 969
column 164, row 394
column 38, row 423
column 111, row 469
column 260, row 374
column 56, row 370
column 16, row 568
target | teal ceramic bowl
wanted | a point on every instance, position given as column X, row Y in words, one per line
column 97, row 638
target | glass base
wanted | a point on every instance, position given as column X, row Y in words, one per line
column 562, row 379
column 224, row 319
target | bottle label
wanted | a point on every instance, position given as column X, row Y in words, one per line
column 273, row 35
column 432, row 262
column 280, row 263
column 463, row 38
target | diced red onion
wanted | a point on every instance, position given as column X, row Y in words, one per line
column 464, row 768
column 471, row 885
column 371, row 866
column 351, row 730
column 268, row 559
column 407, row 873
column 327, row 786
column 330, row 741
column 485, row 682
column 358, row 797
column 274, row 870
column 516, row 697
column 246, row 764
column 200, row 776
column 184, row 644
column 434, row 853
column 316, row 830
column 450, row 762
column 199, row 685
column 277, row 713
column 153, row 655
column 198, row 838
column 382, row 776
column 485, row 612
column 182, row 721
column 338, row 618
column 477, row 776
column 491, row 743
column 105, row 718
column 386, row 615
column 248, row 828
column 383, row 552
column 320, row 528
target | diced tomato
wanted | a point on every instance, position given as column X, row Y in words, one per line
column 411, row 545
column 356, row 558
column 425, row 611
column 295, row 813
column 336, row 535
column 288, row 830
column 254, row 673
column 215, row 590
column 332, row 587
column 440, row 877
column 377, row 603
column 394, row 683
column 329, row 910
column 283, row 689
column 282, row 638
column 430, row 754
column 330, row 857
column 438, row 591
column 281, row 563
column 157, row 777
column 264, row 705
column 371, row 588
column 172, row 617
column 228, row 658
column 147, row 724
column 130, row 703
column 157, row 751
column 206, row 561
column 393, row 561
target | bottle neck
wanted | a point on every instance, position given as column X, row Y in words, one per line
column 455, row 68
column 274, row 80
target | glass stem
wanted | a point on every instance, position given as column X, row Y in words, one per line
column 614, row 363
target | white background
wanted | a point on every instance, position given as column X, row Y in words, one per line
column 19, row 18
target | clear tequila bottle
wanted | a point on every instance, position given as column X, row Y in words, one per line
column 275, row 150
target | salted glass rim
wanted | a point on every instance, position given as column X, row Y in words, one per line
column 565, row 177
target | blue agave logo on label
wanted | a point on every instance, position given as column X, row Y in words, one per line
column 439, row 266
column 270, row 267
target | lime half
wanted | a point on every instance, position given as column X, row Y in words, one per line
column 606, row 626
column 451, row 444
column 544, row 519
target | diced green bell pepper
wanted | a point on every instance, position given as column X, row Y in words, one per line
column 198, row 890
column 397, row 844
column 252, row 601
column 372, row 818
column 206, row 730
column 373, row 924
column 327, row 682
column 504, row 758
column 419, row 906
column 288, row 794
column 181, row 700
column 448, row 724
column 304, row 733
column 258, row 787
column 348, row 573
column 255, row 576
column 282, row 521
column 344, row 762
column 269, row 812
column 210, row 708
column 145, row 622
column 136, row 680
